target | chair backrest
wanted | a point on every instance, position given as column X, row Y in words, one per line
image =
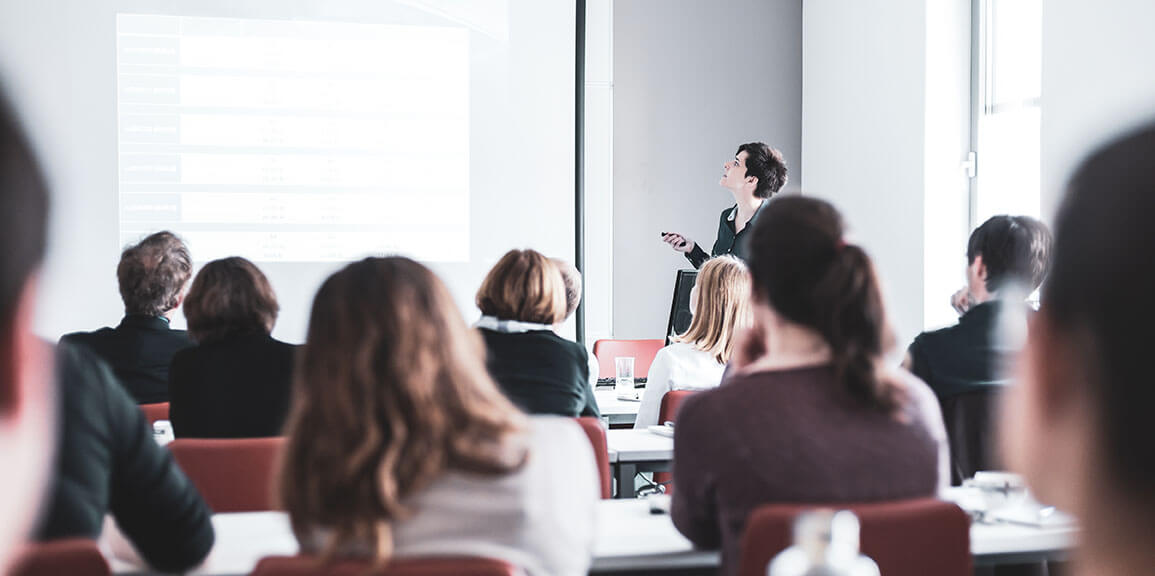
column 309, row 566
column 233, row 475
column 671, row 402
column 597, row 434
column 668, row 412
column 76, row 557
column 905, row 537
column 642, row 351
column 970, row 429
column 154, row 412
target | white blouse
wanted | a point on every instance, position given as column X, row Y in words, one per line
column 679, row 366
column 540, row 518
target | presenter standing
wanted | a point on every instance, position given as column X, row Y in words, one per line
column 755, row 174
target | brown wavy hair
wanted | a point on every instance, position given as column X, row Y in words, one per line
column 230, row 296
column 153, row 273
column 524, row 286
column 723, row 307
column 391, row 391
column 810, row 276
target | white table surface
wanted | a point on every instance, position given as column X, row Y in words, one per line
column 639, row 446
column 628, row 537
column 618, row 411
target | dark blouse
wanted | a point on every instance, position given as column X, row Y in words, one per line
column 235, row 387
column 541, row 372
column 795, row 436
column 728, row 241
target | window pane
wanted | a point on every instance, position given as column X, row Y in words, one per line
column 1015, row 50
column 1009, row 164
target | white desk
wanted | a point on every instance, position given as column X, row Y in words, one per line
column 629, row 538
column 620, row 412
column 633, row 451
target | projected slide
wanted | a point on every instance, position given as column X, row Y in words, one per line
column 291, row 141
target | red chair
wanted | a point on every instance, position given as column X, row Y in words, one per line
column 671, row 403
column 307, row 566
column 905, row 537
column 77, row 557
column 668, row 412
column 597, row 434
column 642, row 351
column 154, row 412
column 233, row 475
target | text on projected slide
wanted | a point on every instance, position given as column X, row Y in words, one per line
column 294, row 141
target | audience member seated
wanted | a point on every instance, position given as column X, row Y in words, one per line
column 27, row 404
column 967, row 364
column 697, row 358
column 572, row 278
column 1077, row 424
column 108, row 463
column 810, row 413
column 400, row 443
column 521, row 300
column 237, row 381
column 152, row 277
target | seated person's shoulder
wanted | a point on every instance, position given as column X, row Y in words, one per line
column 560, row 449
column 78, row 367
column 918, row 396
column 86, row 338
column 550, row 430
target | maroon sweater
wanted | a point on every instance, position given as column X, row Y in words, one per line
column 796, row 436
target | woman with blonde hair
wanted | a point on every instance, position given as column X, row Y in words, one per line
column 400, row 444
column 521, row 299
column 696, row 359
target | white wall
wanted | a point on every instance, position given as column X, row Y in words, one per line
column 1097, row 81
column 883, row 133
column 692, row 81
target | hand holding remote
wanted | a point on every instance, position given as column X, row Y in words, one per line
column 678, row 242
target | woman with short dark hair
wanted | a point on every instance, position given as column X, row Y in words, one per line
column 236, row 382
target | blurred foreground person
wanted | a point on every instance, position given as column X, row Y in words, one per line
column 1077, row 424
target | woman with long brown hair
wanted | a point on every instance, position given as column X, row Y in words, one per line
column 695, row 360
column 400, row 444
column 810, row 413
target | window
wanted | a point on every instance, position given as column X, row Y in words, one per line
column 599, row 171
column 1006, row 109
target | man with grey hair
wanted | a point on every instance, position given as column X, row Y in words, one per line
column 152, row 276
column 573, row 296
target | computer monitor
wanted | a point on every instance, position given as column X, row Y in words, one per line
column 680, row 313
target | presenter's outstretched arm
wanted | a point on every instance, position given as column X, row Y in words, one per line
column 682, row 244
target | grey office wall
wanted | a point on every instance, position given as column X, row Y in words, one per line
column 693, row 79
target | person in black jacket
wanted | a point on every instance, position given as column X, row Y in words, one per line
column 237, row 381
column 521, row 299
column 152, row 277
column 968, row 364
column 108, row 463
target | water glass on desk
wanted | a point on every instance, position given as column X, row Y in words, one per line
column 624, row 384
